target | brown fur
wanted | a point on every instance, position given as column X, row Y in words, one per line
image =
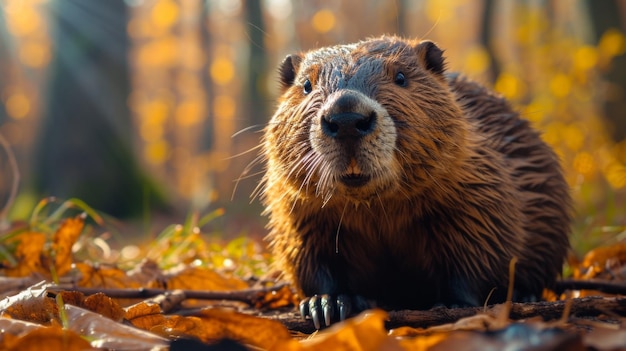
column 459, row 183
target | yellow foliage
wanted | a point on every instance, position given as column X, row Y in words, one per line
column 612, row 43
column 585, row 58
column 222, row 71
column 323, row 21
column 24, row 21
column 165, row 13
column 157, row 152
column 224, row 106
column 18, row 106
column 560, row 85
column 476, row 61
column 509, row 85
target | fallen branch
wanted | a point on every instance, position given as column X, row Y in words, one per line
column 587, row 306
column 249, row 296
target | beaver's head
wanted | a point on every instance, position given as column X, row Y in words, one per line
column 365, row 120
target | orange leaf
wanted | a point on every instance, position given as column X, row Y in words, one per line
column 28, row 254
column 276, row 299
column 64, row 238
column 48, row 338
column 31, row 305
column 260, row 332
column 363, row 332
column 199, row 278
column 213, row 324
column 104, row 305
column 101, row 277
column 142, row 309
column 34, row 258
column 108, row 334
column 601, row 261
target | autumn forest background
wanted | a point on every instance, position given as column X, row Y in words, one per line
column 145, row 109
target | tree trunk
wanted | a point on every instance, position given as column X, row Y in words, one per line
column 256, row 90
column 485, row 37
column 84, row 148
column 605, row 15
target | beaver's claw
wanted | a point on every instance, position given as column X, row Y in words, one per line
column 331, row 307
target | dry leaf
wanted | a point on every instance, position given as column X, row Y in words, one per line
column 47, row 338
column 517, row 336
column 33, row 257
column 28, row 254
column 283, row 297
column 363, row 332
column 605, row 339
column 602, row 262
column 200, row 278
column 189, row 326
column 141, row 309
column 257, row 331
column 15, row 327
column 103, row 277
column 106, row 333
column 64, row 239
column 31, row 305
column 104, row 305
column 214, row 324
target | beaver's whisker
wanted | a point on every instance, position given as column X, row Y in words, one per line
column 249, row 128
column 254, row 148
column 343, row 212
column 244, row 174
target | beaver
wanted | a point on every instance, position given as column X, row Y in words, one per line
column 390, row 182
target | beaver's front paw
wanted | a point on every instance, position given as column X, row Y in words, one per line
column 332, row 307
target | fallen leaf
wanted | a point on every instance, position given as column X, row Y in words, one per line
column 31, row 305
column 200, row 278
column 106, row 333
column 28, row 254
column 47, row 338
column 33, row 257
column 212, row 324
column 104, row 277
column 64, row 238
column 257, row 331
column 602, row 262
column 603, row 338
column 517, row 336
column 363, row 332
column 275, row 299
column 15, row 327
column 141, row 309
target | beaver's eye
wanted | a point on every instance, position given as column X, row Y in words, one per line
column 400, row 79
column 308, row 87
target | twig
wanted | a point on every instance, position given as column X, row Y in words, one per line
column 587, row 306
column 248, row 295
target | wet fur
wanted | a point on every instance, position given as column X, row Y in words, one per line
column 462, row 187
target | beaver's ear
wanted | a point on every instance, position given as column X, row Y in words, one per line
column 288, row 70
column 431, row 56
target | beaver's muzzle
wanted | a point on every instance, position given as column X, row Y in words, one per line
column 346, row 115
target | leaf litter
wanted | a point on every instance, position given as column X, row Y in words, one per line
column 198, row 292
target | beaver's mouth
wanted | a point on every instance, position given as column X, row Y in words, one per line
column 355, row 179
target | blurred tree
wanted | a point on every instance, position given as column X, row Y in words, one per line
column 84, row 148
column 208, row 137
column 257, row 63
column 5, row 63
column 486, row 31
column 402, row 6
column 606, row 15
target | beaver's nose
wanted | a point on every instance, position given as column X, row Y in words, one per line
column 343, row 121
